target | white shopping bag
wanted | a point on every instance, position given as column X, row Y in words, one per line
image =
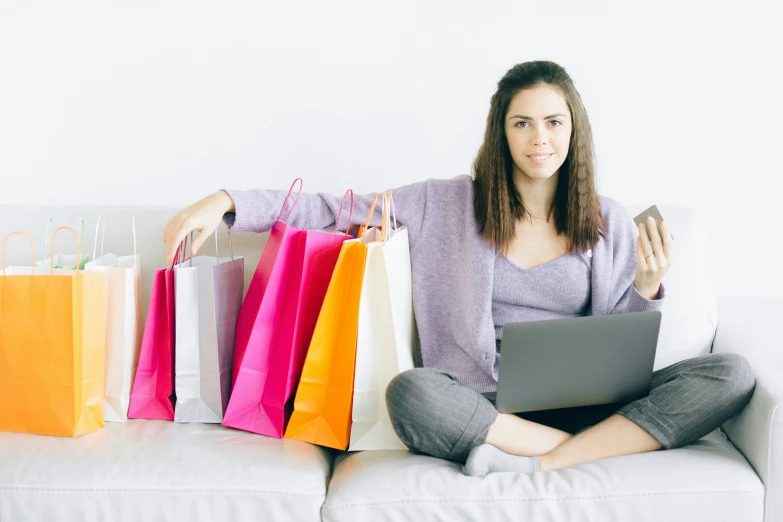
column 208, row 294
column 384, row 346
column 123, row 323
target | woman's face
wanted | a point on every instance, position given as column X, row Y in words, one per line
column 538, row 123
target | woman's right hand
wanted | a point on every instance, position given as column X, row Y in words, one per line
column 204, row 216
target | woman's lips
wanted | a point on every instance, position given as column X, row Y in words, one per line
column 540, row 159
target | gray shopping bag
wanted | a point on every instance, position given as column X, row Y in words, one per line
column 208, row 295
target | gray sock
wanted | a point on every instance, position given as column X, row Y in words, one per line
column 489, row 459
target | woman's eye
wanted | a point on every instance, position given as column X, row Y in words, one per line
column 517, row 124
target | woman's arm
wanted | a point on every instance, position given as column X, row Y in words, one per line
column 257, row 210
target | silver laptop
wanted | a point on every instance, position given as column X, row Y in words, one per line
column 576, row 361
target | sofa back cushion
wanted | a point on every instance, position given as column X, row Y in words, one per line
column 689, row 316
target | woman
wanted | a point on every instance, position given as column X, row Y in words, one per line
column 526, row 238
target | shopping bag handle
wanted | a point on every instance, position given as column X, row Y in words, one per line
column 388, row 211
column 133, row 224
column 79, row 239
column 217, row 248
column 78, row 248
column 366, row 226
column 384, row 217
column 217, row 251
column 340, row 212
column 190, row 261
column 183, row 246
column 47, row 230
column 103, row 237
column 32, row 245
column 288, row 216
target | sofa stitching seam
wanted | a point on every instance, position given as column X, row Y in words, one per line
column 556, row 499
column 155, row 490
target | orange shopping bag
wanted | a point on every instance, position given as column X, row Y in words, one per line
column 52, row 341
column 323, row 401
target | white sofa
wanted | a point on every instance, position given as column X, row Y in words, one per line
column 156, row 470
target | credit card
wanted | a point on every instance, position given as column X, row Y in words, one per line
column 642, row 218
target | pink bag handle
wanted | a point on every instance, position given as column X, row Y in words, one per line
column 32, row 245
column 78, row 248
column 301, row 184
column 184, row 247
column 340, row 212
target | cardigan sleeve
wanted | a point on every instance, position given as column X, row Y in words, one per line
column 257, row 210
column 624, row 297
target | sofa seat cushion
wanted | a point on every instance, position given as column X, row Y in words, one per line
column 158, row 470
column 706, row 480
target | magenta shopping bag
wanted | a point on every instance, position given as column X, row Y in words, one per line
column 277, row 320
column 152, row 396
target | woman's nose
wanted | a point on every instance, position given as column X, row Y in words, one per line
column 540, row 137
column 540, row 140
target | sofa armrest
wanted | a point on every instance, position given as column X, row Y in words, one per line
column 750, row 326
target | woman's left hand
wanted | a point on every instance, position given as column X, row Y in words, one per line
column 650, row 269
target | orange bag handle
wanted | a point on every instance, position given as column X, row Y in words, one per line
column 340, row 212
column 301, row 184
column 78, row 247
column 366, row 226
column 32, row 245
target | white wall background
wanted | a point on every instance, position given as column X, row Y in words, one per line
column 161, row 103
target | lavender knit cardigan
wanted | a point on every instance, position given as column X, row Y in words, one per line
column 452, row 266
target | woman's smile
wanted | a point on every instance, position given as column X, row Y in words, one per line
column 540, row 159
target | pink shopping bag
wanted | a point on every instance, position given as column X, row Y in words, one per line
column 152, row 396
column 277, row 320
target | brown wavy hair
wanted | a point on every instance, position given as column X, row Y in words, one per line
column 497, row 202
